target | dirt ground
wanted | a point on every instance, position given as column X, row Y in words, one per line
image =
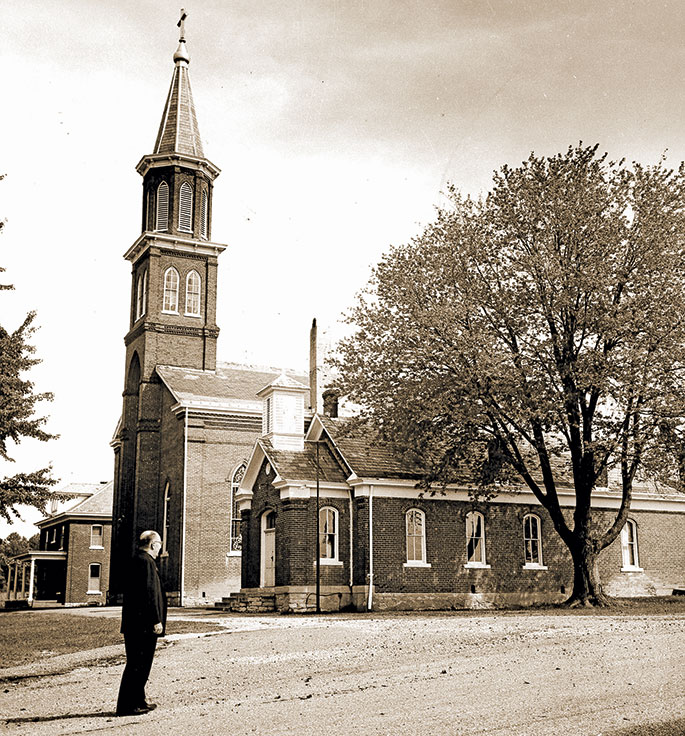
column 510, row 674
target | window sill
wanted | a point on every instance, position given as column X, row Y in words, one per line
column 330, row 563
column 163, row 554
column 94, row 592
column 476, row 566
column 192, row 314
column 416, row 563
column 632, row 569
column 96, row 546
column 234, row 553
column 534, row 566
column 170, row 311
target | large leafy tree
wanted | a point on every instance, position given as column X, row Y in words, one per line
column 539, row 328
column 18, row 418
column 13, row 545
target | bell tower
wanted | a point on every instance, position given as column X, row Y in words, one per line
column 174, row 261
column 173, row 304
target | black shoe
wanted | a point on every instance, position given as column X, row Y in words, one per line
column 150, row 706
column 136, row 711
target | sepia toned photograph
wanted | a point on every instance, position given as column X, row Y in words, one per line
column 342, row 368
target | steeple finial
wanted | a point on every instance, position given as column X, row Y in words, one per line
column 181, row 54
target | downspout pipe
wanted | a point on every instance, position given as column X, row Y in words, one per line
column 369, row 600
column 183, row 523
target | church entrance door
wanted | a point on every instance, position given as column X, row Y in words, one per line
column 268, row 550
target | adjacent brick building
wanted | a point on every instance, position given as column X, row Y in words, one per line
column 385, row 544
column 71, row 565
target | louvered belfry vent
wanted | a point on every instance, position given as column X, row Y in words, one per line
column 162, row 219
column 185, row 212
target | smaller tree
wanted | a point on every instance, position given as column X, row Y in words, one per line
column 17, row 418
column 11, row 546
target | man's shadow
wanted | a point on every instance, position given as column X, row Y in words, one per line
column 64, row 716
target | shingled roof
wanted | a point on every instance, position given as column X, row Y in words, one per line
column 230, row 387
column 293, row 465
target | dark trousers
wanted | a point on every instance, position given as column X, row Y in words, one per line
column 140, row 650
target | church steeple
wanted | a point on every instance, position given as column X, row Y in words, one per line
column 178, row 131
column 173, row 304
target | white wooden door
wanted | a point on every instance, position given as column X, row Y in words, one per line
column 269, row 558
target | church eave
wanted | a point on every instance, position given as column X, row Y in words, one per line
column 172, row 242
column 159, row 160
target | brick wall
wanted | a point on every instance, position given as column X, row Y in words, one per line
column 79, row 558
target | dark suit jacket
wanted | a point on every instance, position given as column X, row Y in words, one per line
column 144, row 600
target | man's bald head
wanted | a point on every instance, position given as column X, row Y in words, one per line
column 151, row 542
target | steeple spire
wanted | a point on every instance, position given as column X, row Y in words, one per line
column 178, row 131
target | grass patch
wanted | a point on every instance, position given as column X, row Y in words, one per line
column 27, row 636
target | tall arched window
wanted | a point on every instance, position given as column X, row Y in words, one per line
column 185, row 208
column 475, row 539
column 204, row 211
column 170, row 303
column 328, row 534
column 193, row 294
column 166, row 518
column 141, row 295
column 236, row 538
column 629, row 552
column 162, row 210
column 416, row 536
column 532, row 541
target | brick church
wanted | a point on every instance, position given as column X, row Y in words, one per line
column 254, row 490
column 188, row 424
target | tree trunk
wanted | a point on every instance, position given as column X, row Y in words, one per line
column 587, row 588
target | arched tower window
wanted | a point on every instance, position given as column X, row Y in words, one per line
column 141, row 295
column 170, row 303
column 162, row 210
column 236, row 538
column 203, row 214
column 185, row 210
column 193, row 294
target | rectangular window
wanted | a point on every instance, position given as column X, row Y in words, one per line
column 94, row 578
column 629, row 550
column 327, row 534
column 96, row 536
column 475, row 540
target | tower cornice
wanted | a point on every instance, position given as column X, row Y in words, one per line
column 159, row 160
column 174, row 243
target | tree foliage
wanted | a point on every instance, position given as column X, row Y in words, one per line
column 11, row 546
column 534, row 335
column 18, row 419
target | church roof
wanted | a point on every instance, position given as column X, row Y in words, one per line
column 301, row 465
column 178, row 131
column 366, row 456
column 230, row 387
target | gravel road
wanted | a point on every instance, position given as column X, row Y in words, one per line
column 509, row 674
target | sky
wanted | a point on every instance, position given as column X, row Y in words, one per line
column 337, row 125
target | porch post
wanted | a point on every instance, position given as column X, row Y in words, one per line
column 31, row 579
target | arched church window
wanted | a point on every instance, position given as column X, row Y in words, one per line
column 236, row 538
column 162, row 211
column 141, row 295
column 193, row 294
column 170, row 303
column 165, row 520
column 204, row 208
column 185, row 211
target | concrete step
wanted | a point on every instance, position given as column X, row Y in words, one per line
column 247, row 603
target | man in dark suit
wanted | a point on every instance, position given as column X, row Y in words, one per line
column 143, row 620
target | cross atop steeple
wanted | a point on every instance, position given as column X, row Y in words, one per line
column 182, row 24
